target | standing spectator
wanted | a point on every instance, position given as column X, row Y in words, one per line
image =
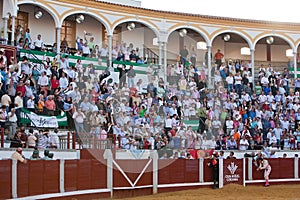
column 183, row 55
column 6, row 101
column 54, row 139
column 131, row 75
column 32, row 139
column 43, row 83
column 218, row 57
column 244, row 143
column 38, row 43
column 79, row 118
column 122, row 75
column 3, row 116
column 43, row 140
column 27, row 36
column 12, row 123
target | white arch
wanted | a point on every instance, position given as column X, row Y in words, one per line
column 297, row 46
column 207, row 40
column 97, row 17
column 45, row 7
column 276, row 35
column 251, row 46
column 156, row 32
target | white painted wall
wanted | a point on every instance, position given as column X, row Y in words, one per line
column 44, row 26
column 278, row 52
column 90, row 25
column 136, row 37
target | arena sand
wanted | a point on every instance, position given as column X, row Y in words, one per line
column 231, row 192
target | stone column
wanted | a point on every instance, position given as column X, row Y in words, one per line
column 209, row 67
column 13, row 21
column 165, row 62
column 109, row 51
column 5, row 36
column 253, row 71
column 58, row 31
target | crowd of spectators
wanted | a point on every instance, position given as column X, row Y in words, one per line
column 237, row 114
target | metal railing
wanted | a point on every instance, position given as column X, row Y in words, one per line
column 151, row 55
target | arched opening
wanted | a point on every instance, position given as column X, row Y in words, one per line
column 79, row 30
column 231, row 48
column 38, row 21
column 188, row 42
column 138, row 36
column 271, row 55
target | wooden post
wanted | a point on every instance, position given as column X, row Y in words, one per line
column 73, row 140
column 68, row 140
column 2, row 137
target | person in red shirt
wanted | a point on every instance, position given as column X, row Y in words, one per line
column 218, row 57
column 50, row 104
column 21, row 88
column 54, row 84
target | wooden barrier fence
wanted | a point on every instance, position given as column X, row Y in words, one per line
column 109, row 177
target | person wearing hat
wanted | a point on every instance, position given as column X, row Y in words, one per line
column 214, row 165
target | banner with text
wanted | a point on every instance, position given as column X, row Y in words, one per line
column 43, row 121
column 233, row 171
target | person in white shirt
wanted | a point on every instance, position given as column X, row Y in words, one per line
column 229, row 80
column 126, row 142
column 30, row 102
column 43, row 82
column 238, row 82
column 54, row 139
column 79, row 118
column 38, row 43
column 63, row 81
column 85, row 50
column 244, row 143
column 12, row 121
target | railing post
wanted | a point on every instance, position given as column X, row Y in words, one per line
column 109, row 170
column 154, row 157
column 62, row 176
column 244, row 172
column 68, row 140
column 73, row 140
column 201, row 170
column 14, row 179
column 296, row 167
column 95, row 142
column 221, row 183
column 250, row 168
column 2, row 137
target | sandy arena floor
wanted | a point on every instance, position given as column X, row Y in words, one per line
column 231, row 192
